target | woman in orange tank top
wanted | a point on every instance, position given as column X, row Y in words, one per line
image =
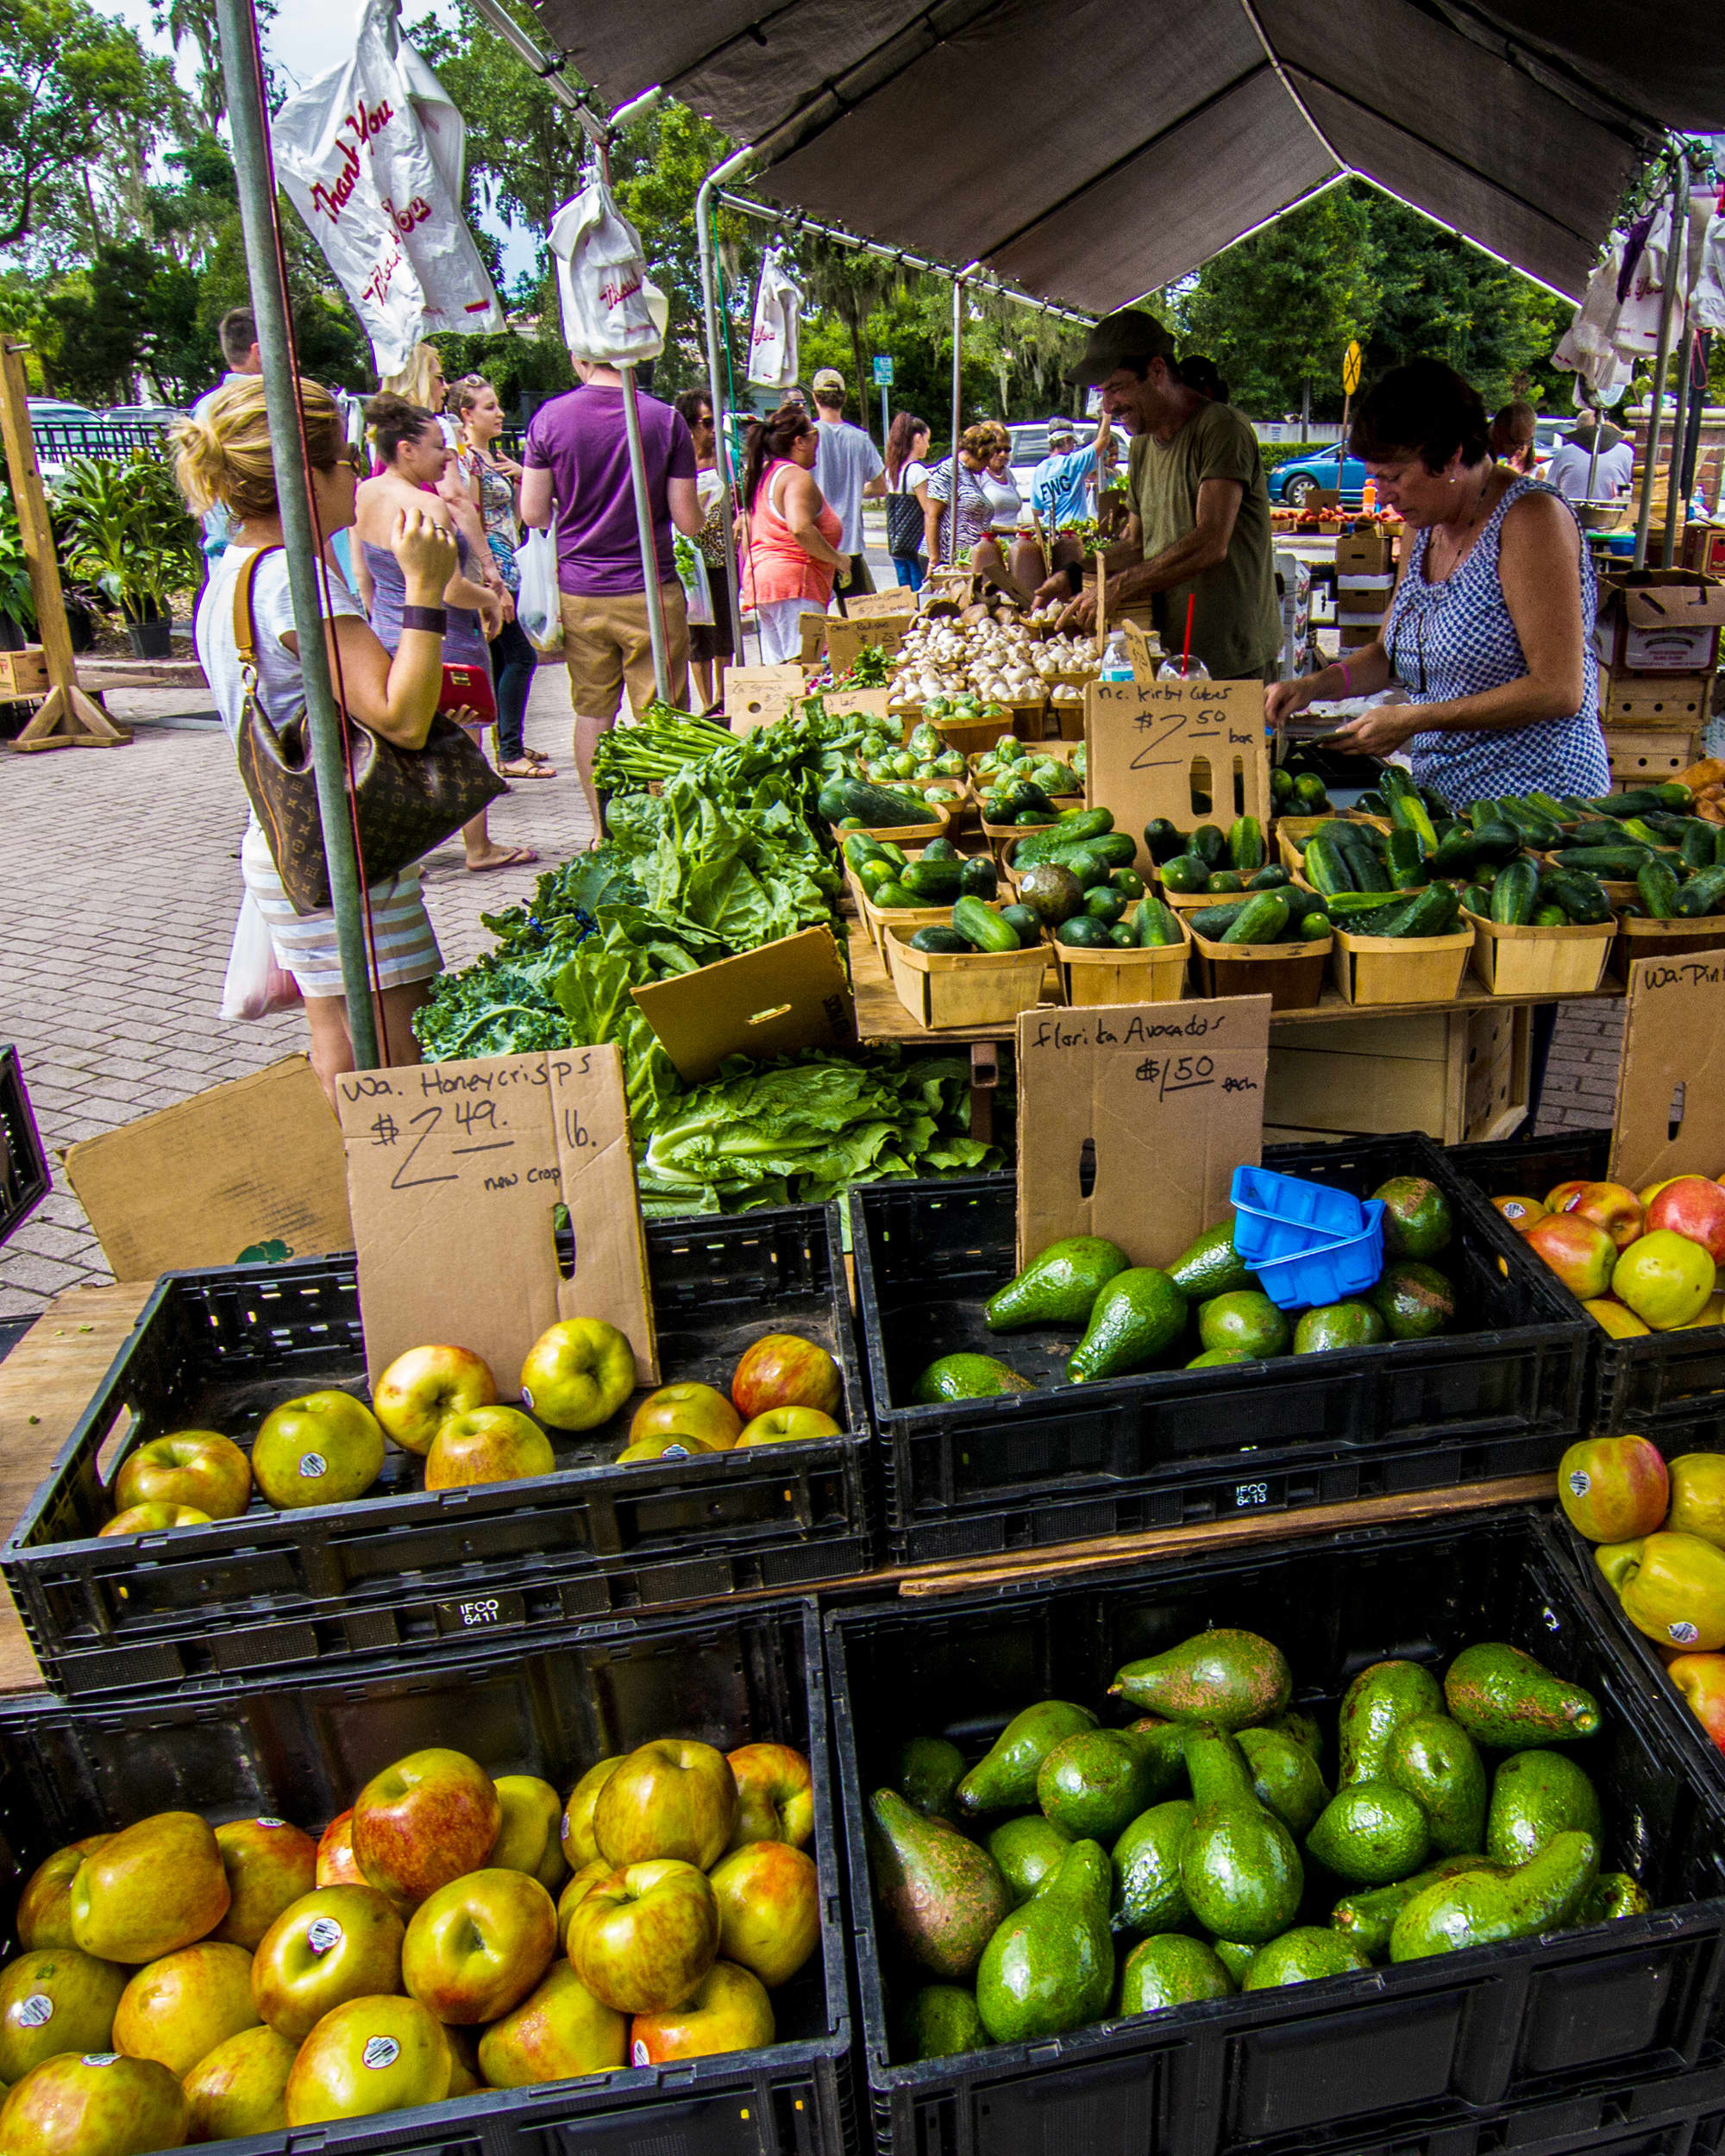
column 790, row 556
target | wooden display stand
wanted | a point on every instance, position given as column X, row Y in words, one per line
column 67, row 718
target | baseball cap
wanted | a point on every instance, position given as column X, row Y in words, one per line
column 1115, row 342
column 829, row 379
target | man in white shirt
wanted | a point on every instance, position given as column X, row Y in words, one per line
column 847, row 470
column 1573, row 455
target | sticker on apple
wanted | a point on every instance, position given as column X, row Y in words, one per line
column 37, row 2011
column 639, row 2054
column 527, row 1400
column 272, row 1822
column 1580, row 1481
column 322, row 1934
column 380, row 2052
column 101, row 2058
column 1685, row 1634
column 312, row 1465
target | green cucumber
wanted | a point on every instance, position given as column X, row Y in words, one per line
column 1084, row 933
column 1158, row 925
column 1272, row 877
column 982, row 925
column 1476, row 899
column 1260, row 920
column 1579, row 894
column 1407, row 861
column 1619, row 862
column 931, row 882
column 1227, row 880
column 1210, row 843
column 946, row 940
column 1161, row 840
column 1514, row 894
column 1245, row 844
column 1024, row 923
column 1705, row 893
column 1657, row 887
column 1325, row 868
column 978, row 878
column 1186, row 873
column 1554, row 916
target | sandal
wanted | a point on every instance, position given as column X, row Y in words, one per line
column 527, row 766
column 517, row 857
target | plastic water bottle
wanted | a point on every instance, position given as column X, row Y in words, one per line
column 1116, row 666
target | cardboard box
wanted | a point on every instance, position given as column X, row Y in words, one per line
column 24, row 673
column 777, row 1001
column 249, row 1170
column 1655, row 701
column 845, row 639
column 898, row 604
column 759, row 696
column 813, row 628
column 1702, row 548
column 1153, row 747
column 1659, row 620
column 1366, row 549
column 1669, row 1115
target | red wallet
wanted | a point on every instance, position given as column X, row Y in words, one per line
column 469, row 688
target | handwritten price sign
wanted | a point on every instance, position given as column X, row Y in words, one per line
column 1670, row 1117
column 1164, row 749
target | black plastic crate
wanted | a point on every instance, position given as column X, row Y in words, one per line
column 1394, row 2057
column 301, row 1750
column 24, row 1177
column 1637, row 1382
column 1165, row 1448
column 218, row 1350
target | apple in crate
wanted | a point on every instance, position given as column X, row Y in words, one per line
column 179, row 2008
column 1692, row 1207
column 781, row 1426
column 44, row 1915
column 642, row 1939
column 487, row 1444
column 1580, row 1253
column 669, row 1798
column 781, row 1370
column 1700, row 1679
column 425, row 1820
column 156, row 1885
column 324, row 1449
column 241, row 2087
column 154, row 1517
column 335, row 1944
column 697, row 1411
column 371, row 2055
column 421, row 1388
column 774, row 1794
column 477, row 1946
column 577, row 1373
column 1665, row 1279
column 55, row 1999
column 559, row 2031
column 730, row 2012
column 530, row 1836
column 93, row 2104
column 665, row 1444
column 270, row 1865
column 769, row 1896
column 1612, row 1206
column 1613, row 1489
column 198, row 1468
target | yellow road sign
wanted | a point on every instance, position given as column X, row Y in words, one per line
column 1353, row 362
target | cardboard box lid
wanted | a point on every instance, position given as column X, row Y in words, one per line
column 1664, row 598
column 776, row 1000
column 759, row 696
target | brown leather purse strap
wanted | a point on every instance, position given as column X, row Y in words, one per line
column 245, row 627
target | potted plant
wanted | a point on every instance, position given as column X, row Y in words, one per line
column 125, row 527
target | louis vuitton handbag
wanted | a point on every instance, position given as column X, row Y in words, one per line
column 409, row 799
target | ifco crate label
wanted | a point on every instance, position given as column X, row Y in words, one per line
column 456, row 1176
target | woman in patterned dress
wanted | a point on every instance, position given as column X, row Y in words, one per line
column 1489, row 629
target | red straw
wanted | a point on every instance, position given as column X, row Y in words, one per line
column 1186, row 654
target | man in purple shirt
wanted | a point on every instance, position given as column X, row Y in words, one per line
column 576, row 466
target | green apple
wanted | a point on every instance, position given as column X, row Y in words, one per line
column 769, row 1896
column 55, row 1999
column 579, row 1845
column 574, row 1894
column 371, row 2055
column 44, row 1917
column 92, row 2103
column 150, row 1888
column 559, row 2031
column 241, row 2087
column 153, row 1519
column 477, row 1946
column 179, row 2008
column 199, row 1468
column 270, row 1865
column 787, row 1425
column 487, row 1444
column 337, row 1943
column 774, row 1794
column 322, row 1449
column 419, row 1388
column 530, row 1839
column 645, row 1937
column 698, row 1410
column 730, row 2011
column 577, row 1373
column 664, row 1445
column 424, row 1822
column 670, row 1798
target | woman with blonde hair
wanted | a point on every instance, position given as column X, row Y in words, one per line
column 223, row 459
column 978, row 447
column 422, row 382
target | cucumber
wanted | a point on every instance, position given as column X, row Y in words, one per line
column 1547, row 804
column 931, row 882
column 1161, row 841
column 1210, row 843
column 1703, row 894
column 1280, row 785
column 1312, row 929
column 1497, row 843
column 1123, row 935
column 873, row 807
column 946, row 940
column 1483, row 812
column 980, row 926
column 1457, row 852
column 1697, row 845
column 1554, row 917
column 1620, row 862
column 1434, row 911
column 1309, row 789
column 1245, row 844
column 1023, row 923
column 1186, row 873
column 1537, row 832
column 1117, row 848
column 1578, row 894
column 978, row 878
column 1085, row 863
column 860, row 848
column 1406, row 808
column 1407, row 861
column 1227, row 880
column 1366, row 869
column 1212, row 922
column 1157, row 925
column 940, row 850
column 891, row 897
column 1476, row 899
column 1349, row 908
column 1272, row 877
column 1028, row 820
column 1514, row 894
column 1372, row 803
column 1085, row 933
column 1128, row 883
column 1260, row 920
column 1325, row 870
column 1657, row 888
column 1066, row 829
column 1104, row 904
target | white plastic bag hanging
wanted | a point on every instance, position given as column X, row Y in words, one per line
column 692, row 575
column 256, row 986
column 612, row 310
column 773, row 343
column 372, row 154
column 538, row 603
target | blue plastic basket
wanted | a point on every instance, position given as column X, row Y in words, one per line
column 1310, row 1277
column 1280, row 1216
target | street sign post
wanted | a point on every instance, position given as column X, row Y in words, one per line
column 883, row 382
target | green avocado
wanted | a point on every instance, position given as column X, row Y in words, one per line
column 1239, row 1866
column 1295, row 1722
column 930, row 1770
column 1417, row 1219
column 1368, row 1915
column 1224, row 1678
column 942, row 2022
column 1004, row 1779
column 1438, row 1763
column 1502, row 1696
column 1236, row 1956
column 1138, row 1314
column 1246, row 1319
column 1172, row 1970
column 1211, row 1266
column 1301, row 1956
column 1478, row 1909
column 1093, row 1785
column 1337, row 1325
column 1614, row 1894
column 1536, row 1797
column 1379, row 1700
column 941, row 1894
column 1050, row 1966
column 1148, row 1894
column 1285, row 1777
column 966, row 1378
column 1371, row 1833
column 1027, row 1850
column 1413, row 1300
column 1058, row 1287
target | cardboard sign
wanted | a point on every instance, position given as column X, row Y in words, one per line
column 846, row 639
column 454, row 1173
column 813, row 627
column 777, row 1001
column 1144, row 650
column 247, row 1171
column 872, row 703
column 1670, row 1105
column 759, row 696
column 1132, row 1119
column 900, row 603
column 1151, row 745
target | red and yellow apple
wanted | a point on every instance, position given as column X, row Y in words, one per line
column 199, row 1469
column 270, row 1865
column 1665, row 1279
column 477, row 1946
column 664, row 1445
column 155, row 1518
column 643, row 1938
column 55, row 1999
column 1671, row 1587
column 1612, row 1206
column 1700, row 1680
column 1520, row 1213
column 337, row 1943
column 1561, row 1196
column 670, row 1798
column 1611, row 1316
column 44, row 1917
column 422, row 1387
column 699, row 1411
column 179, row 2008
column 769, row 1896
column 774, row 1794
column 153, row 1886
column 1697, row 1496
column 241, row 2087
column 487, row 1444
column 578, row 1847
column 1581, row 1254
column 577, row 1373
column 781, row 1370
column 325, row 1448
column 1652, row 1191
column 1711, row 1313
column 371, row 2055
column 558, row 2031
column 337, row 1865
column 1694, row 1206
column 92, row 2103
column 728, row 2012
column 574, row 1894
column 531, row 1838
column 787, row 1425
column 425, row 1820
column 1613, row 1489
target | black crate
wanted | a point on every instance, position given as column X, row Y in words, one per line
column 1635, row 1384
column 1387, row 2057
column 1165, row 1448
column 24, row 1177
column 301, row 1750
column 218, row 1350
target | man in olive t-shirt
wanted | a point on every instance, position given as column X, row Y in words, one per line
column 1201, row 521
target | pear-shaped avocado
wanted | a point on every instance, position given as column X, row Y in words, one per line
column 1239, row 1867
column 1478, row 1909
column 1093, row 1785
column 1004, row 1779
column 1613, row 1895
column 1380, row 1699
column 1295, row 1722
column 941, row 2023
column 1438, row 1763
column 1502, row 1696
column 1058, row 1286
column 1236, row 1956
column 1368, row 1915
column 1302, row 1955
column 942, row 1895
column 1027, row 1850
column 1148, row 1894
column 1225, row 1678
column 930, row 1770
column 1172, row 1970
column 1371, row 1833
column 1050, row 1966
column 1137, row 1315
column 1286, row 1777
column 1536, row 1797
column 1211, row 1266
column 966, row 1377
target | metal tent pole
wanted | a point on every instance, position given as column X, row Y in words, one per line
column 643, row 525
column 1676, row 266
column 958, row 413
column 1674, row 457
column 243, row 79
column 720, row 417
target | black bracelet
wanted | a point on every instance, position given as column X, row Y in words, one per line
column 435, row 618
column 1075, row 577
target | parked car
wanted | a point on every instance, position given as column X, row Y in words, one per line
column 1303, row 476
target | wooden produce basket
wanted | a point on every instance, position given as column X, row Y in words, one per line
column 944, row 989
column 1290, row 974
column 905, row 835
column 1401, row 968
column 958, row 808
column 1153, row 973
column 967, row 735
column 1665, row 939
column 1065, row 720
column 1029, row 716
column 1292, row 832
column 1526, row 961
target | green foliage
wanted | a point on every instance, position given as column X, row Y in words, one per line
column 511, row 363
column 16, row 598
column 133, row 307
column 124, row 527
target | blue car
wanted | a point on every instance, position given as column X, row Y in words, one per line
column 1303, row 476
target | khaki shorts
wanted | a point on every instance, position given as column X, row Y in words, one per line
column 605, row 642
